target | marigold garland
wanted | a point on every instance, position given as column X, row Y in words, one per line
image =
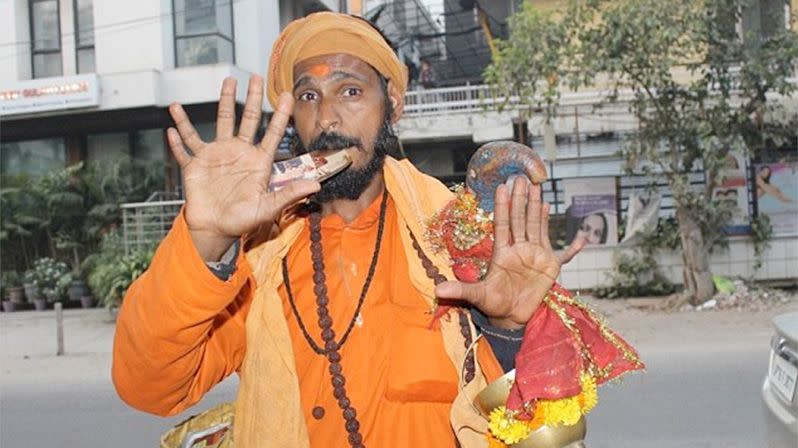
column 505, row 429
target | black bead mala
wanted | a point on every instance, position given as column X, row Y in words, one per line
column 331, row 348
column 435, row 275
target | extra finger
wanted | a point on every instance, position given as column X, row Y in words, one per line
column 574, row 248
column 176, row 145
column 277, row 124
column 473, row 293
column 533, row 214
column 518, row 210
column 501, row 217
column 187, row 132
column 226, row 111
column 544, row 226
column 250, row 119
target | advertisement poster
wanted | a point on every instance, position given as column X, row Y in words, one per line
column 642, row 214
column 591, row 210
column 733, row 189
column 777, row 195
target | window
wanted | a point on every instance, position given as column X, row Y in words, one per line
column 33, row 157
column 45, row 33
column 203, row 32
column 106, row 149
column 763, row 19
column 148, row 145
column 84, row 35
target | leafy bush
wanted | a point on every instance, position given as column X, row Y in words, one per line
column 636, row 272
column 52, row 276
column 64, row 213
column 111, row 271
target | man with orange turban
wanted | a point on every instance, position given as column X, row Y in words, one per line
column 324, row 308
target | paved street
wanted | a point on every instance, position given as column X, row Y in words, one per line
column 701, row 389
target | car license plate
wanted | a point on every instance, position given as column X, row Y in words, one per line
column 783, row 376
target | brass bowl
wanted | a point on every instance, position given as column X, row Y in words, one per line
column 496, row 394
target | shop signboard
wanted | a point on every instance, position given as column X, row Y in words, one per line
column 50, row 94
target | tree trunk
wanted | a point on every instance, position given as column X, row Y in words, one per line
column 697, row 277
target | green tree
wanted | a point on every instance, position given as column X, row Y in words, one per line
column 698, row 87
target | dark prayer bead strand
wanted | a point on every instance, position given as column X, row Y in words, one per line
column 435, row 275
column 331, row 348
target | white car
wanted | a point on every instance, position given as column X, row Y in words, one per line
column 778, row 392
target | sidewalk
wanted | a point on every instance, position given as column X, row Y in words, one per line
column 28, row 338
column 28, row 347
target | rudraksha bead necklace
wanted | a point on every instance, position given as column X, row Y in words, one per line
column 434, row 274
column 331, row 348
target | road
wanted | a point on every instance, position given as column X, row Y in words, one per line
column 701, row 388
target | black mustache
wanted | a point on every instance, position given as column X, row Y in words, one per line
column 332, row 141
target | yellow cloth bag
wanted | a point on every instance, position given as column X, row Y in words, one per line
column 210, row 429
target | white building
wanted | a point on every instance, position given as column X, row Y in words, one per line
column 90, row 79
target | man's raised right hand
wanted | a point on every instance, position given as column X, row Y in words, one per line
column 226, row 181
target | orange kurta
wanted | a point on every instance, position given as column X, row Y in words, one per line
column 398, row 376
column 181, row 330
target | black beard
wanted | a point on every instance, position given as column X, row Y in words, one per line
column 352, row 182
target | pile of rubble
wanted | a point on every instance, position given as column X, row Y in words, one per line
column 746, row 297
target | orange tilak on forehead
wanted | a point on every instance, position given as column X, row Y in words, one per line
column 320, row 70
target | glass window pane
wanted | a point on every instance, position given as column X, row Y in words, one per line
column 107, row 148
column 46, row 65
column 224, row 17
column 86, row 60
column 85, row 11
column 203, row 50
column 148, row 145
column 207, row 131
column 225, row 50
column 195, row 16
column 45, row 25
column 33, row 157
column 772, row 17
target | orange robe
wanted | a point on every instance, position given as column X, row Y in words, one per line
column 400, row 399
column 181, row 330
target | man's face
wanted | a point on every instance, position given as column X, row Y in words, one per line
column 341, row 95
column 341, row 104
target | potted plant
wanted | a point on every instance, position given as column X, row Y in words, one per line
column 87, row 301
column 31, row 285
column 111, row 271
column 13, row 293
column 13, row 288
column 53, row 278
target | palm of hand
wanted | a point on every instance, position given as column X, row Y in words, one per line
column 226, row 181
column 229, row 179
column 523, row 267
column 518, row 279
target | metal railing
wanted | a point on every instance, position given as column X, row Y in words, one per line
column 144, row 224
column 480, row 97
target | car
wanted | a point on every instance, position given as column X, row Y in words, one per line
column 778, row 391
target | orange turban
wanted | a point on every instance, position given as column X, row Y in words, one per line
column 328, row 33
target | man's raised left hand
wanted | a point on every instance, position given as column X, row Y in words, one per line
column 523, row 267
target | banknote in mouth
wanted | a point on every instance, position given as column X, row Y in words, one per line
column 318, row 166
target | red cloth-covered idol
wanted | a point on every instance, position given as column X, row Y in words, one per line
column 567, row 348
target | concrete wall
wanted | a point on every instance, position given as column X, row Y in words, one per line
column 134, row 51
column 590, row 268
column 14, row 41
column 145, row 43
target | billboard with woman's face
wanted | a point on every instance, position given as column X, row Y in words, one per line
column 591, row 210
column 777, row 195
